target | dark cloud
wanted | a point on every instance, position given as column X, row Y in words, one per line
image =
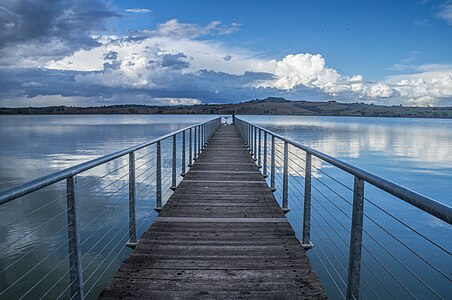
column 175, row 61
column 26, row 21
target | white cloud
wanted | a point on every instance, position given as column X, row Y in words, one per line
column 423, row 89
column 380, row 91
column 177, row 58
column 178, row 101
column 139, row 10
column 309, row 70
column 175, row 29
column 446, row 12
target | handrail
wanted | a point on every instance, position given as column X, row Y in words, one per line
column 39, row 183
column 425, row 203
column 198, row 136
column 254, row 136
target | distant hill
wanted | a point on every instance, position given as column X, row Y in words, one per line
column 269, row 106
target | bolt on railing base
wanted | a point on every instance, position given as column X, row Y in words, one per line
column 265, row 176
column 183, row 174
column 273, row 189
column 190, row 165
column 173, row 188
column 260, row 167
column 307, row 246
column 157, row 209
column 286, row 210
column 131, row 245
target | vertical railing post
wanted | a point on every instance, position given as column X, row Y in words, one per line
column 306, row 241
column 195, row 144
column 201, row 128
column 75, row 254
column 190, row 151
column 173, row 165
column 264, row 171
column 204, row 139
column 251, row 140
column 248, row 126
column 356, row 236
column 183, row 154
column 158, row 188
column 285, row 196
column 199, row 140
column 255, row 143
column 132, row 195
column 273, row 166
column 259, row 151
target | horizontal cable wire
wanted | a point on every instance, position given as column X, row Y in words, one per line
column 85, row 282
column 34, row 248
column 33, row 268
column 58, row 281
column 111, row 261
column 36, row 229
column 147, row 154
column 345, row 257
column 365, row 246
column 102, row 203
column 333, row 241
column 409, row 227
column 332, row 278
column 88, row 197
column 32, row 212
column 102, row 177
column 48, row 273
column 401, row 263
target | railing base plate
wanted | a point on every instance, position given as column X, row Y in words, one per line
column 307, row 246
column 131, row 245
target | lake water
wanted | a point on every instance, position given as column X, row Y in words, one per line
column 412, row 152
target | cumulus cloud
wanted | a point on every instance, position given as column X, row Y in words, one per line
column 428, row 87
column 180, row 63
column 309, row 70
column 380, row 90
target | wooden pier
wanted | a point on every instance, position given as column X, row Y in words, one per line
column 221, row 235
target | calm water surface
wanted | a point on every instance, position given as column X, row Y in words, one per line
column 412, row 152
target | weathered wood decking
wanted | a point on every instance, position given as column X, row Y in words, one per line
column 221, row 235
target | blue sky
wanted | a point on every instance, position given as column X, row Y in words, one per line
column 94, row 52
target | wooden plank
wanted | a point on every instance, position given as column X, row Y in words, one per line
column 221, row 235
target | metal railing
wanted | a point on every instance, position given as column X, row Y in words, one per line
column 92, row 248
column 358, row 252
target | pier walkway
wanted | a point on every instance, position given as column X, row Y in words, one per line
column 220, row 235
